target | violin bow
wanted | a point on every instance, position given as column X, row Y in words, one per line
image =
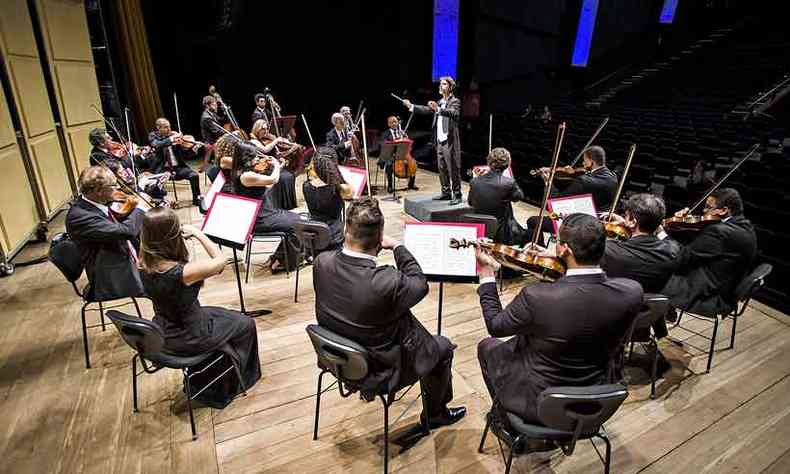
column 124, row 140
column 178, row 117
column 589, row 142
column 309, row 135
column 555, row 159
column 622, row 181
column 724, row 178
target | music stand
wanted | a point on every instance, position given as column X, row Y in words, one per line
column 231, row 224
column 285, row 124
column 390, row 152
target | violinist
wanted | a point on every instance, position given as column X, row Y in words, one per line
column 212, row 120
column 247, row 182
column 107, row 243
column 324, row 192
column 282, row 194
column 394, row 133
column 339, row 138
column 492, row 194
column 708, row 269
column 102, row 152
column 260, row 109
column 170, row 150
column 553, row 345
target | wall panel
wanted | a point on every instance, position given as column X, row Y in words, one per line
column 50, row 169
column 18, row 214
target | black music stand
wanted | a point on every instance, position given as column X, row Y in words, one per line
column 441, row 279
column 390, row 152
column 285, row 124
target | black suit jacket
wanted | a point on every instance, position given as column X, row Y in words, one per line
column 450, row 116
column 644, row 258
column 372, row 306
column 335, row 142
column 601, row 183
column 711, row 266
column 492, row 194
column 258, row 114
column 104, row 250
column 211, row 125
column 159, row 160
column 566, row 333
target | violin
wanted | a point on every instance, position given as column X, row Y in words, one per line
column 119, row 150
column 290, row 154
column 188, row 142
column 564, row 172
column 264, row 165
column 531, row 260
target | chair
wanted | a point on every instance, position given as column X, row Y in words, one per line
column 65, row 255
column 312, row 235
column 655, row 307
column 489, row 222
column 567, row 415
column 748, row 286
column 148, row 340
column 349, row 363
column 269, row 237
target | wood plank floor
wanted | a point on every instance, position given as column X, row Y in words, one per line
column 56, row 416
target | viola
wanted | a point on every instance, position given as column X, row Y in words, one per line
column 534, row 260
column 123, row 204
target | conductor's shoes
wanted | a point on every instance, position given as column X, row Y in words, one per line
column 441, row 197
column 450, row 416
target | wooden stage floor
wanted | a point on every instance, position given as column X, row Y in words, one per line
column 56, row 416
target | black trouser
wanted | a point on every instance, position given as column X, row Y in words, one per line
column 391, row 178
column 185, row 172
column 485, row 347
column 449, row 161
column 438, row 383
column 532, row 226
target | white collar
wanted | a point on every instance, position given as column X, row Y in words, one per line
column 583, row 271
column 726, row 219
column 352, row 253
column 102, row 207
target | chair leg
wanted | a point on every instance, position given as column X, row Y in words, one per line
column 101, row 314
column 134, row 382
column 654, row 369
column 284, row 243
column 677, row 321
column 386, row 434
column 485, row 432
column 317, row 405
column 137, row 308
column 607, row 460
column 732, row 336
column 510, row 459
column 712, row 343
column 189, row 404
column 85, row 338
column 296, row 286
column 247, row 259
column 631, row 351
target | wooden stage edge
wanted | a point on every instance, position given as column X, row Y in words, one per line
column 56, row 416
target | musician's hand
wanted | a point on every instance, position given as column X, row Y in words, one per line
column 615, row 219
column 433, row 105
column 488, row 266
column 388, row 242
column 682, row 213
column 348, row 144
column 407, row 103
column 188, row 231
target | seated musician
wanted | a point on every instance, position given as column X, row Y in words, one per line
column 492, row 194
column 173, row 282
column 106, row 242
column 709, row 268
column 324, row 192
column 567, row 333
column 245, row 181
column 339, row 139
column 391, row 134
column 101, row 152
column 371, row 305
column 597, row 180
column 647, row 257
column 281, row 195
column 260, row 109
column 348, row 119
column 169, row 155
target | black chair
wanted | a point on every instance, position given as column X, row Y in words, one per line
column 349, row 363
column 65, row 255
column 489, row 222
column 567, row 415
column 147, row 339
column 269, row 237
column 641, row 330
column 747, row 288
column 313, row 236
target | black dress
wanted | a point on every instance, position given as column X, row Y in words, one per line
column 282, row 195
column 326, row 205
column 191, row 329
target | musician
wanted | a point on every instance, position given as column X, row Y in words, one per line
column 245, row 181
column 260, row 109
column 371, row 305
column 348, row 119
column 647, row 257
column 447, row 139
column 169, row 154
column 212, row 120
column 281, row 195
column 339, row 138
column 707, row 271
column 597, row 180
column 101, row 153
column 106, row 243
column 173, row 283
column 324, row 192
column 394, row 132
column 567, row 333
column 492, row 194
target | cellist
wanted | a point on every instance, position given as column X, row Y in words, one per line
column 393, row 133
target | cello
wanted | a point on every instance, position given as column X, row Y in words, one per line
column 404, row 166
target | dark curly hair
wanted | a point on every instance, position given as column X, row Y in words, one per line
column 325, row 167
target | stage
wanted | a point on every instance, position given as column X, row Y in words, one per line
column 56, row 416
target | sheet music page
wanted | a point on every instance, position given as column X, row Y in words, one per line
column 355, row 177
column 430, row 245
column 216, row 187
column 231, row 218
column 582, row 203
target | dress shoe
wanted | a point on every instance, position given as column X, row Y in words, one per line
column 455, row 201
column 441, row 197
column 450, row 416
column 414, row 188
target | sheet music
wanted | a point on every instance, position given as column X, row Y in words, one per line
column 355, row 177
column 216, row 187
column 231, row 218
column 430, row 245
column 582, row 203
